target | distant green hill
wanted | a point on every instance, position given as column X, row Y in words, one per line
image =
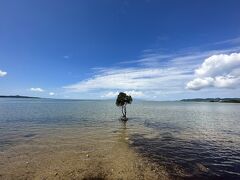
column 17, row 96
column 222, row 100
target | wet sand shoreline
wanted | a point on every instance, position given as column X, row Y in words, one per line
column 70, row 156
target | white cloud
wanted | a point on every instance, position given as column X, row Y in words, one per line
column 219, row 64
column 36, row 89
column 110, row 94
column 51, row 93
column 133, row 93
column 139, row 79
column 199, row 83
column 221, row 71
column 2, row 73
column 153, row 72
column 235, row 40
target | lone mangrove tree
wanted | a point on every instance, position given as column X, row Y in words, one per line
column 122, row 100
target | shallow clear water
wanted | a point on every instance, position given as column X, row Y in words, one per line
column 187, row 139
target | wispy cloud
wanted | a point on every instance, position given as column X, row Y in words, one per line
column 66, row 57
column 2, row 73
column 51, row 93
column 36, row 89
column 190, row 57
column 133, row 79
column 110, row 94
column 133, row 93
column 235, row 40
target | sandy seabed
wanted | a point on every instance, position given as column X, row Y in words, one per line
column 77, row 154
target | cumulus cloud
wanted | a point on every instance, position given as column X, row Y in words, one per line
column 199, row 83
column 220, row 71
column 51, row 93
column 36, row 89
column 2, row 73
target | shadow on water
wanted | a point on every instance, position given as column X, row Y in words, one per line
column 189, row 159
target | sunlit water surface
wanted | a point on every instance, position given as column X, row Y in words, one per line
column 43, row 138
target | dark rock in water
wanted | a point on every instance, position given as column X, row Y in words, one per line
column 29, row 135
column 202, row 167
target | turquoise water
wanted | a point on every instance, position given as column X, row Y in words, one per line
column 189, row 139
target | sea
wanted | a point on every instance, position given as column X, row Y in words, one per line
column 85, row 139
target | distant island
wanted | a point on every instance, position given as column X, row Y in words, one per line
column 222, row 100
column 17, row 96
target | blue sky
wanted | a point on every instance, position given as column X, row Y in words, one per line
column 90, row 49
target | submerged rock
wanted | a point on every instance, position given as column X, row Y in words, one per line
column 202, row 167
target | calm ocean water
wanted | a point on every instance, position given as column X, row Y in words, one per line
column 191, row 140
